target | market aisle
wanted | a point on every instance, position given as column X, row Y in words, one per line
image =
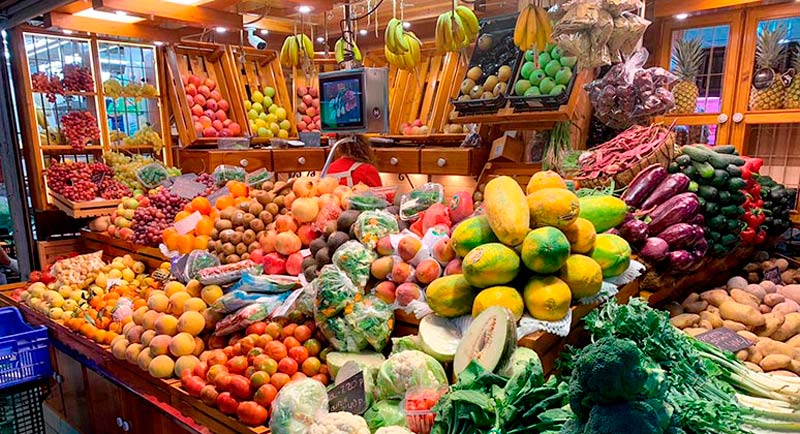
column 56, row 425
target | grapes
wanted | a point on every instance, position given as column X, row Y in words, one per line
column 146, row 136
column 151, row 220
column 80, row 182
column 208, row 180
column 79, row 127
column 77, row 79
column 110, row 188
column 113, row 89
column 50, row 85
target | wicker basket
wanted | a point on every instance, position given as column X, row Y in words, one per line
column 661, row 155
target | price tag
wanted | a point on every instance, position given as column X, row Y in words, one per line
column 774, row 275
column 218, row 194
column 725, row 339
column 187, row 188
column 186, row 225
column 349, row 395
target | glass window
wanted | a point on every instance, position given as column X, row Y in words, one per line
column 709, row 67
column 776, row 144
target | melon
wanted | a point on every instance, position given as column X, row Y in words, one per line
column 613, row 254
column 471, row 233
column 605, row 212
column 545, row 179
column 506, row 210
column 519, row 361
column 439, row 337
column 547, row 298
column 490, row 265
column 490, row 340
column 504, row 296
column 583, row 276
column 581, row 235
column 553, row 207
column 450, row 296
column 335, row 360
column 545, row 250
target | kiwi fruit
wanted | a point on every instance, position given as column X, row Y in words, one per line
column 267, row 185
column 221, row 225
column 244, row 205
column 323, row 256
column 236, row 237
column 278, row 200
column 247, row 219
column 316, row 245
column 266, row 217
column 284, row 211
column 272, row 208
column 245, row 256
column 226, row 235
column 232, row 259
column 255, row 208
column 346, row 220
column 228, row 248
column 308, row 261
column 248, row 236
column 279, row 185
column 337, row 239
column 241, row 248
column 257, row 225
column 238, row 218
column 226, row 213
column 254, row 245
column 239, row 229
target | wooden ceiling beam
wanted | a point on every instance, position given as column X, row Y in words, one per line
column 195, row 16
column 92, row 25
column 668, row 8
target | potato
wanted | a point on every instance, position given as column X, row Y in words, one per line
column 774, row 362
column 772, row 324
column 691, row 298
column 695, row 307
column 747, row 335
column 769, row 346
column 766, row 265
column 712, row 309
column 794, row 342
column 769, row 286
column 791, row 292
column 784, row 373
column 751, row 267
column 786, row 307
column 673, row 308
column 744, row 297
column 737, row 282
column 782, row 264
column 753, row 277
column 756, row 291
column 694, row 331
column 789, row 328
column 763, row 308
column 742, row 313
column 789, row 277
column 705, row 324
column 753, row 355
column 733, row 325
column 742, row 355
column 685, row 320
column 753, row 367
column 712, row 317
column 773, row 299
column 794, row 366
column 715, row 297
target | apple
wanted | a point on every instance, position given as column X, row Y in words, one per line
column 204, row 90
column 307, row 99
column 210, row 114
column 302, row 107
column 221, row 115
column 200, row 99
column 223, row 104
column 195, row 80
column 417, row 123
column 215, row 94
column 191, row 90
column 211, row 84
column 211, row 104
column 210, row 132
column 205, row 121
column 235, row 128
column 313, row 92
column 197, row 110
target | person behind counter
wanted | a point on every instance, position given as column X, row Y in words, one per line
column 355, row 164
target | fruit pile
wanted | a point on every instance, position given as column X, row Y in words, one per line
column 81, row 182
column 551, row 77
column 112, row 88
column 79, row 128
column 455, row 30
column 491, row 86
column 208, row 108
column 402, row 48
column 198, row 237
column 296, row 49
column 308, row 109
column 121, row 222
column 50, row 85
column 77, row 79
column 267, row 119
column 415, row 128
column 155, row 215
column 145, row 136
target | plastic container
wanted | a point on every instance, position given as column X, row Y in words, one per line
column 21, row 408
column 151, row 175
column 537, row 103
column 24, row 350
column 421, row 421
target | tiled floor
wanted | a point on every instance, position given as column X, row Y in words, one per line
column 56, row 425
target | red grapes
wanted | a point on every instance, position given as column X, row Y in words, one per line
column 81, row 182
column 77, row 79
column 110, row 188
column 151, row 220
column 79, row 127
column 208, row 180
column 50, row 85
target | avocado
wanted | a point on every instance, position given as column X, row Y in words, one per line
column 316, row 244
column 337, row 239
column 323, row 256
column 346, row 219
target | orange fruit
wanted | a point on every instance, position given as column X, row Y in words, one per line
column 168, row 234
column 238, row 188
column 184, row 243
column 204, row 226
column 201, row 204
column 182, row 215
column 224, row 202
column 201, row 242
column 188, row 207
column 88, row 330
column 239, row 200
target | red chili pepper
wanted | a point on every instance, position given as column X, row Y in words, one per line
column 746, row 174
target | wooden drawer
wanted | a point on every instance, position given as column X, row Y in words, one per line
column 250, row 160
column 397, row 160
column 298, row 160
column 447, row 161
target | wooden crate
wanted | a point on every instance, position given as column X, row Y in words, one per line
column 50, row 251
column 92, row 208
column 520, row 172
column 112, row 247
column 205, row 60
column 258, row 69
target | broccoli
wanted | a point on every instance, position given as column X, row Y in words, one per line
column 610, row 371
column 634, row 417
column 572, row 426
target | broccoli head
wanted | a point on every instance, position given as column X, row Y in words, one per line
column 634, row 417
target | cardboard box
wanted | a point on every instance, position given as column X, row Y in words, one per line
column 507, row 148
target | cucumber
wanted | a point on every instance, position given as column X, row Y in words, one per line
column 705, row 170
column 724, row 197
column 721, row 161
column 717, row 223
column 734, row 170
column 737, row 184
column 737, row 197
column 725, row 149
column 690, row 171
column 733, row 225
column 707, row 192
column 710, row 208
column 713, row 236
column 697, row 154
column 683, row 160
column 693, row 186
column 673, row 167
column 720, row 178
column 730, row 211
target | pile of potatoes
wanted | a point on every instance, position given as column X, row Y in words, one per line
column 765, row 313
column 763, row 262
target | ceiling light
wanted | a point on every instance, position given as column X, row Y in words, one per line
column 363, row 32
column 682, row 16
column 304, row 9
column 67, row 32
column 264, row 32
column 158, row 43
column 220, row 29
column 406, row 24
column 320, row 39
column 117, row 17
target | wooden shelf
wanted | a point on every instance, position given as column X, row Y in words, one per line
column 70, row 93
column 70, row 148
column 92, row 208
column 428, row 139
column 94, row 241
column 154, row 97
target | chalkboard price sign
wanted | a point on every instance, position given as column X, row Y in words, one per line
column 349, row 395
column 726, row 339
column 774, row 275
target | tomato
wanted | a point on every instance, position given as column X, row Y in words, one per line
column 313, row 346
column 201, row 370
column 229, row 352
column 323, row 355
column 291, row 342
column 311, row 325
column 247, row 344
column 214, row 372
column 276, row 350
column 298, row 376
column 226, row 403
column 216, row 342
column 265, row 395
column 273, row 329
column 288, row 330
column 279, row 380
column 299, row 354
column 237, row 365
column 262, row 340
column 233, row 340
column 253, row 353
column 302, row 333
column 240, row 387
column 258, row 379
column 287, row 366
column 256, row 328
column 217, row 357
column 223, row 381
column 311, row 366
column 249, row 371
column 193, row 384
column 250, row 413
column 265, row 363
column 322, row 378
column 209, row 394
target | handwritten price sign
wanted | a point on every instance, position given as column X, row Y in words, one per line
column 349, row 395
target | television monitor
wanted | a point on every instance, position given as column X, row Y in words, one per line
column 354, row 100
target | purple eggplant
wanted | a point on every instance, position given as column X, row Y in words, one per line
column 634, row 231
column 700, row 248
column 681, row 235
column 654, row 250
column 680, row 260
column 673, row 185
column 676, row 209
column 643, row 184
column 698, row 220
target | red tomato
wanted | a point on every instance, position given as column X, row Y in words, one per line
column 214, row 372
column 322, row 378
column 265, row 395
column 256, row 328
column 279, row 380
column 313, row 346
column 299, row 354
column 226, row 403
column 287, row 366
column 258, row 379
column 273, row 329
column 311, row 366
column 209, row 395
column 223, row 381
column 192, row 384
column 276, row 350
column 288, row 330
column 250, row 413
column 201, row 370
column 240, row 387
column 302, row 333
column 291, row 342
column 237, row 365
column 253, row 353
column 217, row 357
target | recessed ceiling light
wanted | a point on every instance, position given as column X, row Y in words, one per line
column 117, row 17
column 220, row 29
column 363, row 32
column 681, row 16
column 158, row 43
column 264, row 32
column 67, row 32
column 406, row 24
column 304, row 9
column 320, row 39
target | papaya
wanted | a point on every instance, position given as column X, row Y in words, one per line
column 545, row 250
column 553, row 207
column 613, row 254
column 506, row 210
column 583, row 276
column 490, row 265
column 605, row 212
column 545, row 179
column 450, row 296
column 581, row 235
column 471, row 233
column 547, row 298
column 504, row 296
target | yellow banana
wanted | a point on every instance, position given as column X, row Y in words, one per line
column 520, row 29
column 399, row 32
column 533, row 27
column 308, row 46
column 356, row 53
column 391, row 34
column 459, row 33
column 449, row 37
column 441, row 42
column 415, row 44
column 294, row 47
column 285, row 58
column 545, row 28
column 338, row 50
column 470, row 21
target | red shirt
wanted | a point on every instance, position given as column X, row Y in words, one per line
column 351, row 172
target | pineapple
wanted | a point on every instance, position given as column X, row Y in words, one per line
column 768, row 89
column 688, row 59
column 792, row 100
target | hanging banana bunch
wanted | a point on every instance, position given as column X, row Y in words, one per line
column 533, row 28
column 341, row 49
column 456, row 29
column 296, row 48
column 402, row 48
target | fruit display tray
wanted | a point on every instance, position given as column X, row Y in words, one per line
column 92, row 208
column 537, row 103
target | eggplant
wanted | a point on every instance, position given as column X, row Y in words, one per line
column 698, row 220
column 654, row 250
column 680, row 260
column 681, row 235
column 634, row 231
column 676, row 209
column 700, row 248
column 673, row 185
column 644, row 183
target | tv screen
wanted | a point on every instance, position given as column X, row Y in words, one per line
column 341, row 103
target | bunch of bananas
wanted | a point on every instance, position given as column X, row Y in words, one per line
column 296, row 48
column 456, row 30
column 402, row 49
column 533, row 29
column 342, row 46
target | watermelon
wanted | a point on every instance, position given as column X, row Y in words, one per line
column 545, row 250
column 490, row 265
column 450, row 296
column 471, row 233
column 605, row 212
column 613, row 254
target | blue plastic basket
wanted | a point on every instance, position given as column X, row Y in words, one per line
column 24, row 353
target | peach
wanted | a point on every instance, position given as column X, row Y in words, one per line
column 384, row 246
column 408, row 247
column 401, row 272
column 385, row 291
column 408, row 292
column 161, row 367
column 138, row 315
column 158, row 302
column 119, row 349
column 196, row 304
column 294, row 264
column 182, row 345
column 172, row 287
column 148, row 336
column 191, row 322
column 134, row 334
column 381, row 267
column 177, row 301
column 210, row 294
column 287, row 243
column 443, row 251
column 453, row 267
column 427, row 271
column 144, row 359
column 185, row 362
column 149, row 321
column 199, row 346
column 160, row 345
column 132, row 352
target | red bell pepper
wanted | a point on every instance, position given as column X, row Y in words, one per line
column 748, row 235
column 754, row 218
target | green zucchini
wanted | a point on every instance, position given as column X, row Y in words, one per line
column 721, row 161
column 724, row 197
column 690, row 171
column 720, row 178
column 725, row 149
column 710, row 208
column 707, row 192
column 734, row 170
column 717, row 223
column 683, row 160
column 733, row 225
column 705, row 170
column 673, row 167
column 693, row 186
column 697, row 154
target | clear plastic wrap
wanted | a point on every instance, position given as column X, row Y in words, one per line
column 355, row 260
column 258, row 177
column 420, row 199
column 373, row 319
column 367, row 201
column 151, row 175
column 228, row 273
column 578, row 16
column 341, row 336
column 405, row 370
column 374, row 225
column 250, row 314
column 266, row 284
column 224, row 173
column 334, row 291
column 187, row 267
column 384, row 414
column 628, row 30
column 235, row 300
column 77, row 270
column 296, row 407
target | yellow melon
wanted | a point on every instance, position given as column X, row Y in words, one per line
column 581, row 235
column 553, row 207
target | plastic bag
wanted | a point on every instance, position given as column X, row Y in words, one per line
column 385, row 413
column 628, row 30
column 340, row 334
column 258, row 177
column 233, row 301
column 327, row 218
column 355, row 260
column 250, row 314
column 617, row 7
column 187, row 267
column 371, row 226
column 334, row 291
column 268, row 284
column 77, row 270
column 438, row 214
column 297, row 405
column 224, row 173
column 405, row 370
column 151, row 175
column 367, row 201
column 372, row 318
column 420, row 199
column 228, row 273
column 406, row 343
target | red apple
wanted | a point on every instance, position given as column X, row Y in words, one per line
column 195, row 80
column 211, row 84
column 313, row 92
column 215, row 94
column 302, row 107
column 226, row 123
column 294, row 264
column 191, row 90
column 307, row 99
column 416, row 123
column 210, row 132
column 307, row 119
column 222, row 104
column 211, row 104
column 315, row 103
column 189, row 100
column 200, row 99
column 198, row 127
column 221, row 115
column 211, row 114
column 311, row 111
column 205, row 121
column 217, row 124
column 225, row 132
column 302, row 91
column 204, row 90
column 301, row 126
column 197, row 110
column 235, row 128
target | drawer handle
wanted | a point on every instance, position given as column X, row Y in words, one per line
column 393, row 161
column 441, row 162
column 722, row 118
column 58, row 378
column 243, row 162
column 301, row 161
column 738, row 117
column 126, row 426
column 119, row 421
